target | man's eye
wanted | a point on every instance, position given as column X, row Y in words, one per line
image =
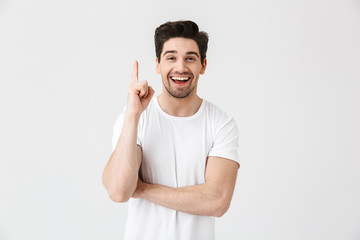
column 170, row 58
column 191, row 59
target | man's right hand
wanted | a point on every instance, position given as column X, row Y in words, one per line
column 139, row 93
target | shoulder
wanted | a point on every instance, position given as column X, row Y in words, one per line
column 224, row 133
column 217, row 116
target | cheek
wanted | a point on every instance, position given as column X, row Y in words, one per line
column 164, row 76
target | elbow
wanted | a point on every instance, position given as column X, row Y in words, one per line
column 116, row 193
column 119, row 194
column 220, row 208
column 118, row 197
column 219, row 212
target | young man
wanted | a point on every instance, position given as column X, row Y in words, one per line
column 175, row 155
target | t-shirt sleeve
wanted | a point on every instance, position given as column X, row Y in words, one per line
column 117, row 128
column 226, row 141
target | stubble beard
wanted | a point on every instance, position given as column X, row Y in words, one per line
column 179, row 94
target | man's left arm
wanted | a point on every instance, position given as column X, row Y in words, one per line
column 211, row 198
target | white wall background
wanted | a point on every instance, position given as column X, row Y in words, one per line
column 288, row 71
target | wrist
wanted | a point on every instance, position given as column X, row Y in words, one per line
column 140, row 190
column 132, row 116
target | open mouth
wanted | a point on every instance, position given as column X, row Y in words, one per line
column 180, row 80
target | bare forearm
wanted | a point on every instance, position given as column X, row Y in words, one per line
column 197, row 199
column 121, row 172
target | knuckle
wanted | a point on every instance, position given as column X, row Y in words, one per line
column 132, row 86
column 144, row 83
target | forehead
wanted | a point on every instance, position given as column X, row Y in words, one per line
column 180, row 45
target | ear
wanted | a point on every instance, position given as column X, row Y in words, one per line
column 157, row 66
column 202, row 71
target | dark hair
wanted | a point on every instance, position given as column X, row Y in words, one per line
column 184, row 29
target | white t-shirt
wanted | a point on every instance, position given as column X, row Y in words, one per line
column 175, row 150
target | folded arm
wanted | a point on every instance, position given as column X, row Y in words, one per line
column 211, row 198
column 121, row 172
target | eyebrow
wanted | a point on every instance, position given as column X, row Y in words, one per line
column 188, row 53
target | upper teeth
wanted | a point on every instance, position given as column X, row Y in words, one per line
column 180, row 78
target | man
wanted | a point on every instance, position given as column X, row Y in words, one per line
column 176, row 157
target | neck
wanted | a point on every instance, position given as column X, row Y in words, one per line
column 179, row 107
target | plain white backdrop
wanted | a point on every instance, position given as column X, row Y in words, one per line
column 288, row 71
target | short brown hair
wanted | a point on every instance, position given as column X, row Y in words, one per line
column 184, row 29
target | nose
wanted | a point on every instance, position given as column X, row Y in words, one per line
column 181, row 66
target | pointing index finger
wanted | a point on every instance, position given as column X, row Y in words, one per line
column 135, row 72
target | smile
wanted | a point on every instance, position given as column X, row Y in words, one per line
column 180, row 80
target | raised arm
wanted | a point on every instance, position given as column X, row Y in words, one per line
column 121, row 171
column 211, row 198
